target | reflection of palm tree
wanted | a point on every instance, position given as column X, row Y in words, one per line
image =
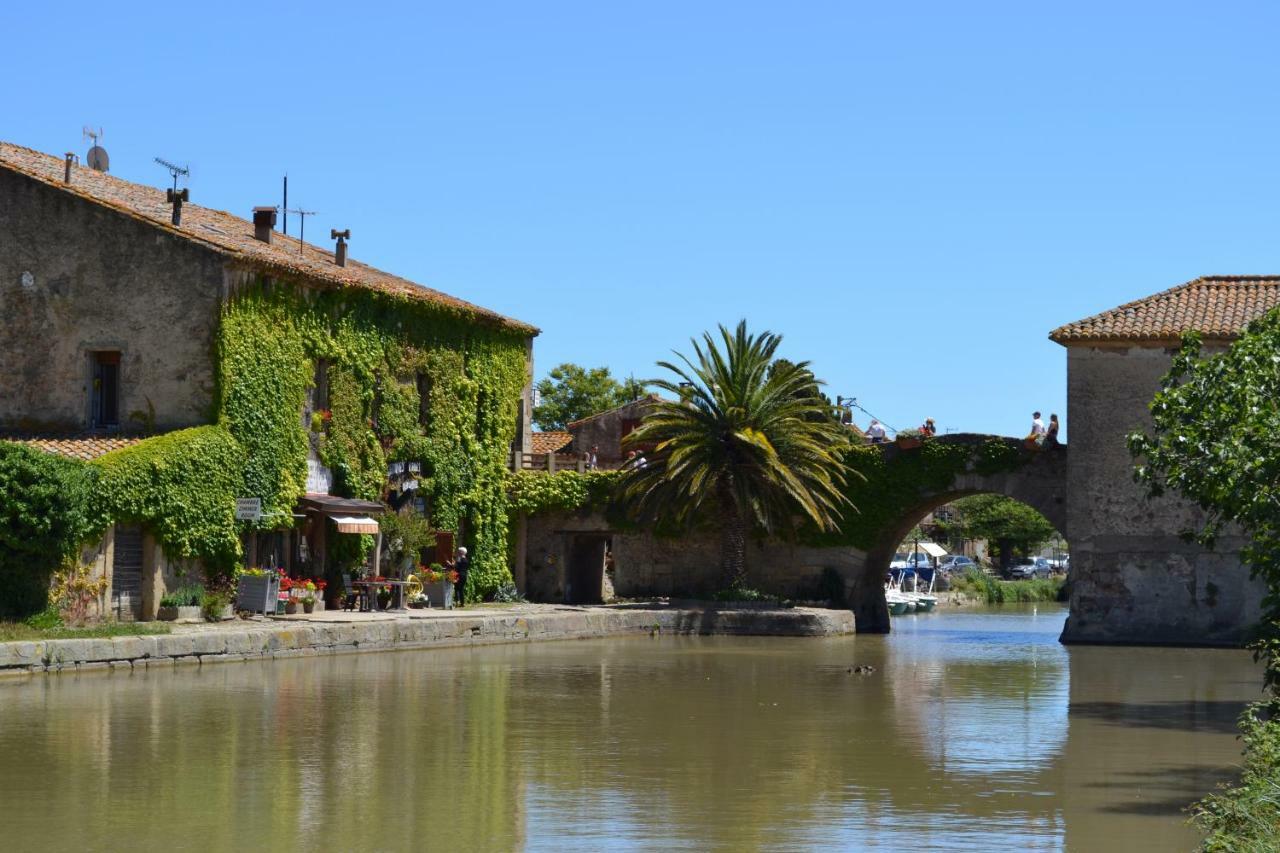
column 748, row 441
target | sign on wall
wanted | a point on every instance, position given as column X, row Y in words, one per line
column 248, row 509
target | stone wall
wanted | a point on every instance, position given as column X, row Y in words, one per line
column 605, row 431
column 1134, row 579
column 647, row 565
column 99, row 280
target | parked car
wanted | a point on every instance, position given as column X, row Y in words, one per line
column 1026, row 568
column 956, row 563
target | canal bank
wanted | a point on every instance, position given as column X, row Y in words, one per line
column 343, row 632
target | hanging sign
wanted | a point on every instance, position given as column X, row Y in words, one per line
column 248, row 509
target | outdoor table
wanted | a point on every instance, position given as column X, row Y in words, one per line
column 397, row 602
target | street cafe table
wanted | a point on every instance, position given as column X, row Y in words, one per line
column 398, row 586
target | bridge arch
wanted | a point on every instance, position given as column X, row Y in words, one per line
column 996, row 465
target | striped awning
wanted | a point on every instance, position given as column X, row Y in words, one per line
column 355, row 524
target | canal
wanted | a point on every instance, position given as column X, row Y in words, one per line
column 976, row 730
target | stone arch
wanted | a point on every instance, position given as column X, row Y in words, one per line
column 1040, row 483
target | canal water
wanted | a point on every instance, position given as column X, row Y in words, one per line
column 976, row 731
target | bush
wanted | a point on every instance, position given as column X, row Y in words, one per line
column 1247, row 817
column 44, row 516
column 977, row 583
column 508, row 594
column 187, row 596
column 212, row 604
column 740, row 593
column 45, row 619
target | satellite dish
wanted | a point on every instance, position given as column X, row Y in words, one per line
column 98, row 159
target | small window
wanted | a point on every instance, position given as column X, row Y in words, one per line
column 424, row 399
column 104, row 400
column 320, row 391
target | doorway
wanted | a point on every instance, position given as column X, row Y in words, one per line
column 584, row 574
column 126, row 573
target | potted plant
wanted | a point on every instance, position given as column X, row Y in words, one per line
column 909, row 438
column 405, row 536
column 257, row 590
column 182, row 605
column 437, row 585
column 308, row 603
column 420, row 601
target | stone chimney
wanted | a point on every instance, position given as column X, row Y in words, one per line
column 264, row 220
column 340, row 251
column 176, row 198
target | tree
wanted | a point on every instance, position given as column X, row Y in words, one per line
column 740, row 445
column 570, row 392
column 1213, row 441
column 1011, row 525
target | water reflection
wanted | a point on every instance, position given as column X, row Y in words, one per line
column 977, row 730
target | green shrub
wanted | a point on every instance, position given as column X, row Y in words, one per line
column 45, row 619
column 187, row 596
column 212, row 604
column 993, row 591
column 45, row 513
column 1245, row 818
column 508, row 594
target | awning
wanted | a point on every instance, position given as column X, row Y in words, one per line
column 933, row 550
column 355, row 524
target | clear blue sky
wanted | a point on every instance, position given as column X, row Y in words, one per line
column 912, row 194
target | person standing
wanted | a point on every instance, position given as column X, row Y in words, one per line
column 1051, row 435
column 1037, row 425
column 875, row 432
column 462, row 565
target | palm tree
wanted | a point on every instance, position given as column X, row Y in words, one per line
column 748, row 441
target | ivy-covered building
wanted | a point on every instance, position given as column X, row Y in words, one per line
column 183, row 357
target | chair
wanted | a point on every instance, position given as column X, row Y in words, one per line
column 357, row 597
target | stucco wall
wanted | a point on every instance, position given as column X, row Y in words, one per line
column 99, row 281
column 1134, row 578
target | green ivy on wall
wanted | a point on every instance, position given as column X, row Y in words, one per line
column 532, row 492
column 382, row 353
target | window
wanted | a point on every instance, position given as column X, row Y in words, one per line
column 104, row 399
column 424, row 399
column 320, row 391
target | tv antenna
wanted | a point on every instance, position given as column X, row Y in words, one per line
column 302, row 218
column 97, row 158
column 174, row 170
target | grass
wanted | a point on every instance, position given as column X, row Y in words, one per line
column 17, row 631
column 1246, row 817
column 993, row 591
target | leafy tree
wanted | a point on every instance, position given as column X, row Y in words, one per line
column 740, row 445
column 570, row 392
column 1011, row 525
column 1213, row 441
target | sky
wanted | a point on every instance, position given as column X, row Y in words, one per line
column 913, row 195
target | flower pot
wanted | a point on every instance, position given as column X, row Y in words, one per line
column 257, row 593
column 440, row 593
column 908, row 442
column 180, row 614
column 291, row 607
column 308, row 606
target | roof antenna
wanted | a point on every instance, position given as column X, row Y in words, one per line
column 302, row 217
column 174, row 170
column 97, row 157
column 285, row 206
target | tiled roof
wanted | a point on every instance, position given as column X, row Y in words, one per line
column 230, row 235
column 549, row 442
column 83, row 446
column 1215, row 306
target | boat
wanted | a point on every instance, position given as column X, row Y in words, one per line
column 896, row 601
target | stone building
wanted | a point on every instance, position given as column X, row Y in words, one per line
column 1135, row 580
column 111, row 296
column 605, row 430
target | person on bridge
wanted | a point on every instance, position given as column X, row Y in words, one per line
column 928, row 428
column 1051, row 435
column 875, row 432
column 1037, row 425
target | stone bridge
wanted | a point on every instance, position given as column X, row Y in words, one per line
column 1037, row 479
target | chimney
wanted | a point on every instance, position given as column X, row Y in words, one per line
column 264, row 220
column 176, row 198
column 66, row 175
column 340, row 251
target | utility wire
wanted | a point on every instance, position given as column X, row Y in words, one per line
column 853, row 401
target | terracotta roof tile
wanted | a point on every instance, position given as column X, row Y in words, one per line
column 230, row 235
column 549, row 442
column 1216, row 306
column 84, row 446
